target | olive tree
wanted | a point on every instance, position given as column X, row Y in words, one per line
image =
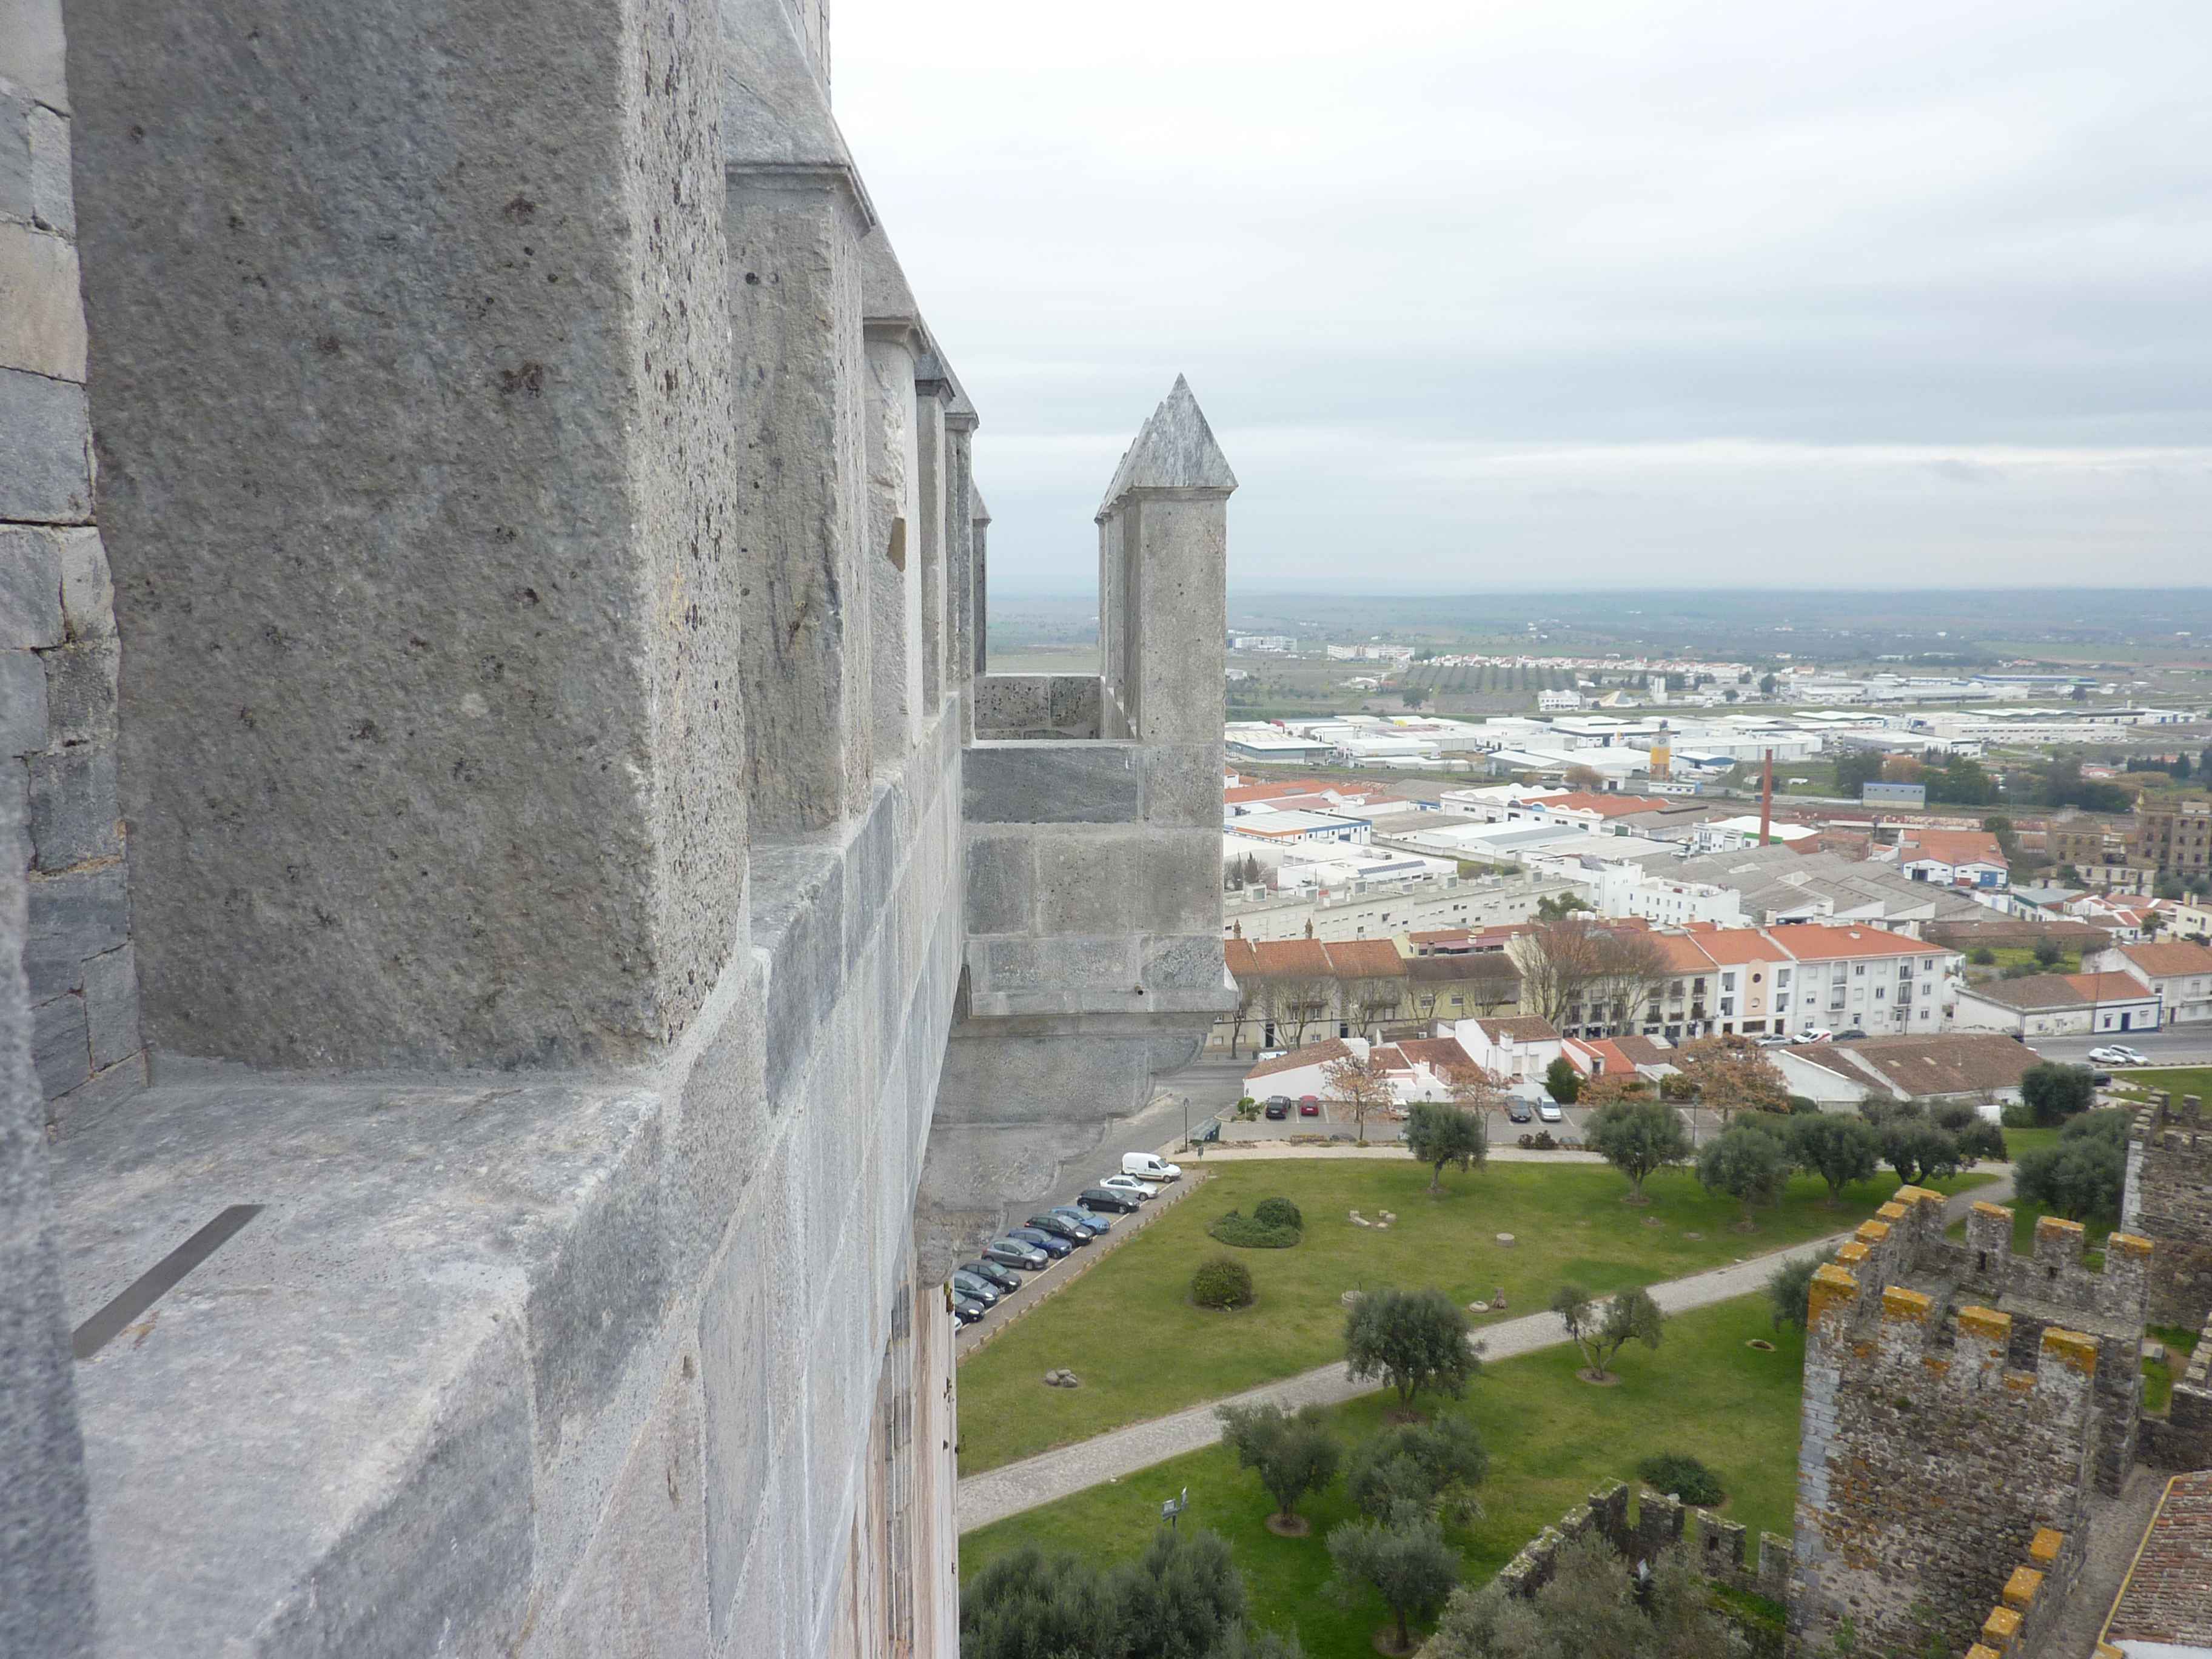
column 1837, row 1149
column 1602, row 1330
column 1636, row 1137
column 1294, row 1453
column 1438, row 1134
column 1748, row 1164
column 1405, row 1559
column 1412, row 1339
column 1432, row 1467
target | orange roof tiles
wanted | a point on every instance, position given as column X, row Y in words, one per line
column 2109, row 987
column 2176, row 957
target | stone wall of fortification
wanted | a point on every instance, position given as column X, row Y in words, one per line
column 2169, row 1200
column 1939, row 1436
column 58, row 652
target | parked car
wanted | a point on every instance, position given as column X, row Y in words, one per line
column 1054, row 1246
column 1013, row 1252
column 1004, row 1279
column 1149, row 1166
column 2114, row 1054
column 1516, row 1111
column 1105, row 1200
column 975, row 1288
column 1817, row 1034
column 1309, row 1105
column 1549, row 1111
column 1135, row 1189
column 1060, row 1227
column 2100, row 1079
column 1851, row 1036
column 1274, row 1054
column 1278, row 1107
column 1083, row 1216
column 967, row 1310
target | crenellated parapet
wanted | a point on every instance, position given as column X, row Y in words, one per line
column 1958, row 1399
column 2169, row 1199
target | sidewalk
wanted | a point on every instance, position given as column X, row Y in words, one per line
column 1009, row 1489
column 1222, row 1152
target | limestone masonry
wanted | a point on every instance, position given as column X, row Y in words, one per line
column 606, row 940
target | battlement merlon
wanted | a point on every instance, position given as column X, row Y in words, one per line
column 1966, row 1349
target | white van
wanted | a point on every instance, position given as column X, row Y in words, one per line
column 1149, row 1166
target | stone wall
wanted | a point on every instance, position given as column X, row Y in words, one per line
column 2169, row 1200
column 1658, row 1522
column 1931, row 1443
column 2182, row 1440
column 58, row 636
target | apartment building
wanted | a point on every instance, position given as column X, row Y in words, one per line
column 1759, row 982
column 2174, row 836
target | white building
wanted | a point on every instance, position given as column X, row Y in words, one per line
column 1732, row 834
column 1280, row 828
column 1551, row 701
column 2180, row 973
column 1627, row 890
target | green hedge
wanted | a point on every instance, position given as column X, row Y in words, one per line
column 1249, row 1232
column 1222, row 1283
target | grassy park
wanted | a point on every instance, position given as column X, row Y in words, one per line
column 1551, row 1438
column 1129, row 1331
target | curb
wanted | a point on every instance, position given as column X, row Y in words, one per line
column 976, row 1338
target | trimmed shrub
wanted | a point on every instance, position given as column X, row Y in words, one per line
column 1249, row 1232
column 1681, row 1475
column 1277, row 1213
column 1222, row 1283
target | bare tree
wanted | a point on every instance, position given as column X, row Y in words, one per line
column 1300, row 1001
column 1576, row 961
column 1248, row 1002
column 1473, row 1090
column 1361, row 1082
column 1733, row 1074
column 1371, row 1000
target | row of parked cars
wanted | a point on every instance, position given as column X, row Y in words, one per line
column 1057, row 1233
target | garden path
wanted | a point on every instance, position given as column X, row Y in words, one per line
column 1013, row 1488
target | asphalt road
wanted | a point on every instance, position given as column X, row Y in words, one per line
column 2183, row 1045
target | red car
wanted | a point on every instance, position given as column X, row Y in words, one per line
column 1309, row 1105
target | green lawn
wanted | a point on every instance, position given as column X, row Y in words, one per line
column 2021, row 1142
column 1552, row 1440
column 2177, row 1080
column 2022, row 956
column 1128, row 1330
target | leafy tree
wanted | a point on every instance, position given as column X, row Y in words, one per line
column 2054, row 1092
column 1839, row 1150
column 1918, row 1151
column 1294, row 1452
column 1027, row 1605
column 1748, row 1164
column 1422, row 1464
column 1601, row 1331
column 1243, row 1642
column 1473, row 1090
column 1962, row 781
column 1438, row 1134
column 1181, row 1598
column 1406, row 1559
column 1638, row 1137
column 1982, row 957
column 2049, row 952
column 1362, row 1082
column 1768, row 685
column 2078, row 1179
column 2109, row 1123
column 1412, row 1339
column 1789, row 1288
column 1563, row 1081
column 1412, row 697
column 1595, row 1606
column 1552, row 906
column 1855, row 770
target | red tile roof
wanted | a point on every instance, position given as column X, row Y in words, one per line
column 1314, row 1053
column 1519, row 1028
column 1812, row 943
column 2164, row 960
column 2108, row 987
column 1439, row 1054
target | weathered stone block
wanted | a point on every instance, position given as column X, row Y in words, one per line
column 735, row 1353
column 42, row 324
column 45, row 465
column 80, row 693
column 15, row 138
column 22, row 706
column 111, row 1006
column 31, row 49
column 74, row 814
column 59, row 1052
column 1182, row 784
column 72, row 917
column 1025, row 964
column 53, row 205
column 641, row 1590
column 601, row 1296
column 1192, row 964
column 1054, row 783
column 1002, row 882
column 88, row 591
column 798, row 919
column 30, row 587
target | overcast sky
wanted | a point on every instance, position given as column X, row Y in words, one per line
column 1625, row 293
